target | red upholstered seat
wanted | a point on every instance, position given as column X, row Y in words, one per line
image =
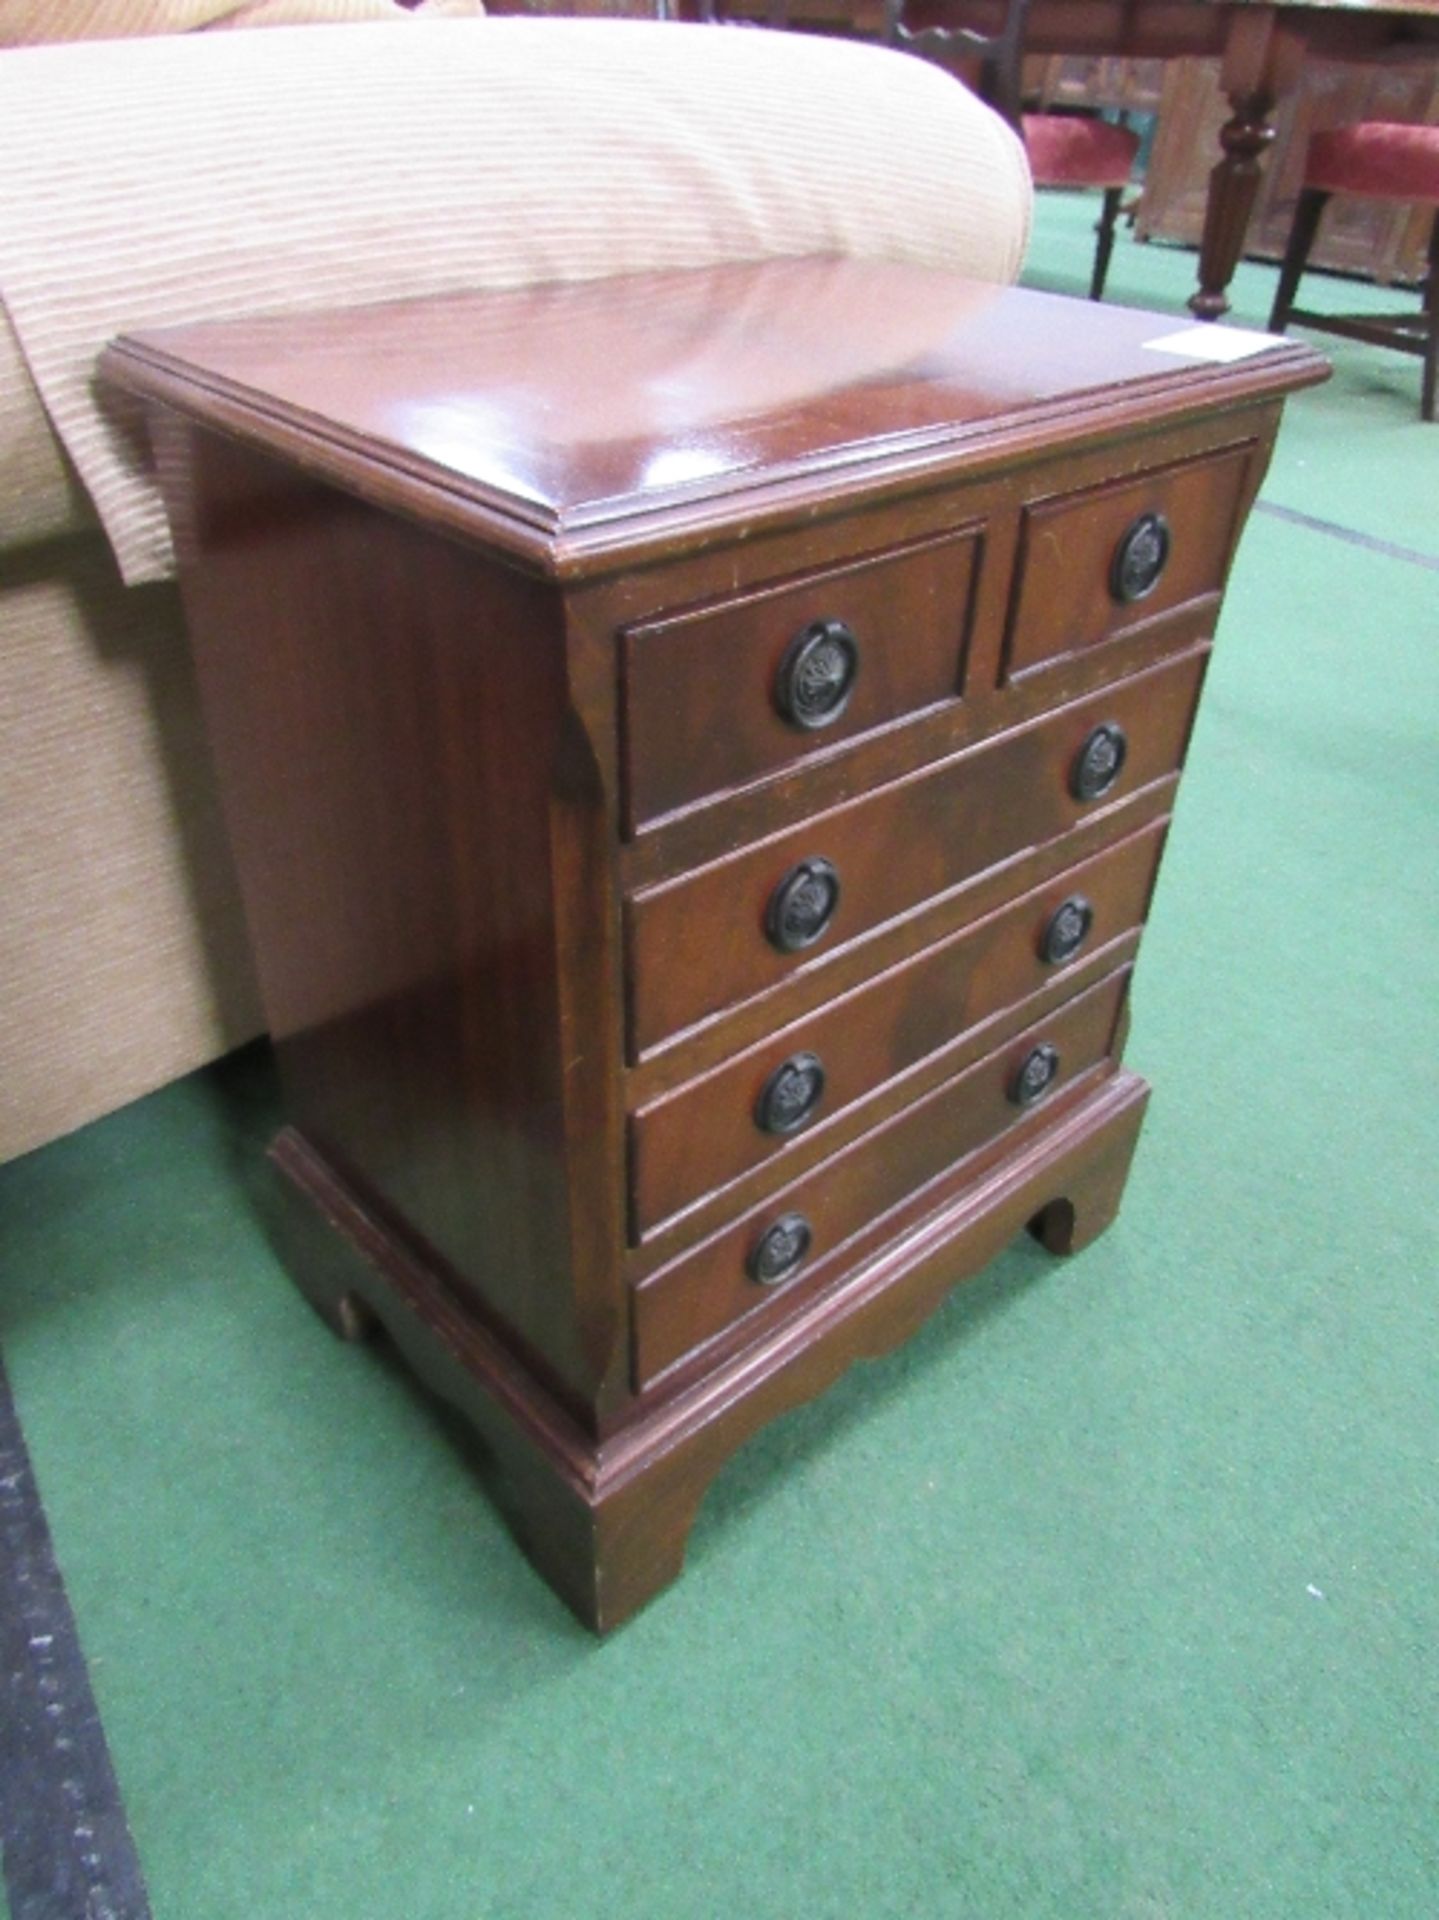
column 1066, row 151
column 1379, row 159
column 1376, row 160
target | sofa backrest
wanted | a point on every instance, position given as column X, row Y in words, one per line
column 153, row 181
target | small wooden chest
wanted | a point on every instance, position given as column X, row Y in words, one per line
column 697, row 750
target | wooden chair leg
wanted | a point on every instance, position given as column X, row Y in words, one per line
column 1431, row 315
column 1311, row 204
column 1109, row 213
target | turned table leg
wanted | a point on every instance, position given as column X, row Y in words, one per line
column 1233, row 186
column 1262, row 61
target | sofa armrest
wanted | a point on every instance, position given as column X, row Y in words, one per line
column 163, row 180
column 40, row 496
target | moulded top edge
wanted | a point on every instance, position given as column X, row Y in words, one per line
column 575, row 409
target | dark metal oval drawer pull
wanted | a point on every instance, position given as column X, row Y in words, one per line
column 1099, row 762
column 817, row 675
column 1139, row 559
column 1036, row 1074
column 780, row 1250
column 1066, row 931
column 802, row 906
column 791, row 1095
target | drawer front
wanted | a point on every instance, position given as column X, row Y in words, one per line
column 750, row 1110
column 722, row 695
column 1093, row 564
column 713, row 938
column 799, row 1235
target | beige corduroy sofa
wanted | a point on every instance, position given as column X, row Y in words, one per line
column 175, row 178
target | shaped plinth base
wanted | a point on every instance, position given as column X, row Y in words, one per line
column 606, row 1521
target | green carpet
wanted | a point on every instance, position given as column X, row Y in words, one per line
column 1114, row 1596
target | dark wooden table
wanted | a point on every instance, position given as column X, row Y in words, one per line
column 1260, row 44
column 1261, row 48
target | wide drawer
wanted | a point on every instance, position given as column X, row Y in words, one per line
column 718, row 696
column 1094, row 563
column 801, row 1235
column 799, row 1083
column 741, row 925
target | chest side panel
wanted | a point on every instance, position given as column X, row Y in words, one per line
column 419, row 820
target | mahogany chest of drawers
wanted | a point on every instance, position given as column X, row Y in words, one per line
column 697, row 750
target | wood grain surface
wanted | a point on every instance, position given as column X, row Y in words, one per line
column 491, row 599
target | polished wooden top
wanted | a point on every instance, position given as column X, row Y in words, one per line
column 571, row 413
column 1159, row 29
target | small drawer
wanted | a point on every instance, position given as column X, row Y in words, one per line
column 735, row 928
column 722, row 695
column 799, row 1238
column 1093, row 564
column 716, row 1128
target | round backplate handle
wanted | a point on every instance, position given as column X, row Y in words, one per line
column 1066, row 930
column 1099, row 762
column 802, row 905
column 817, row 674
column 780, row 1250
column 791, row 1095
column 1139, row 559
column 1035, row 1075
